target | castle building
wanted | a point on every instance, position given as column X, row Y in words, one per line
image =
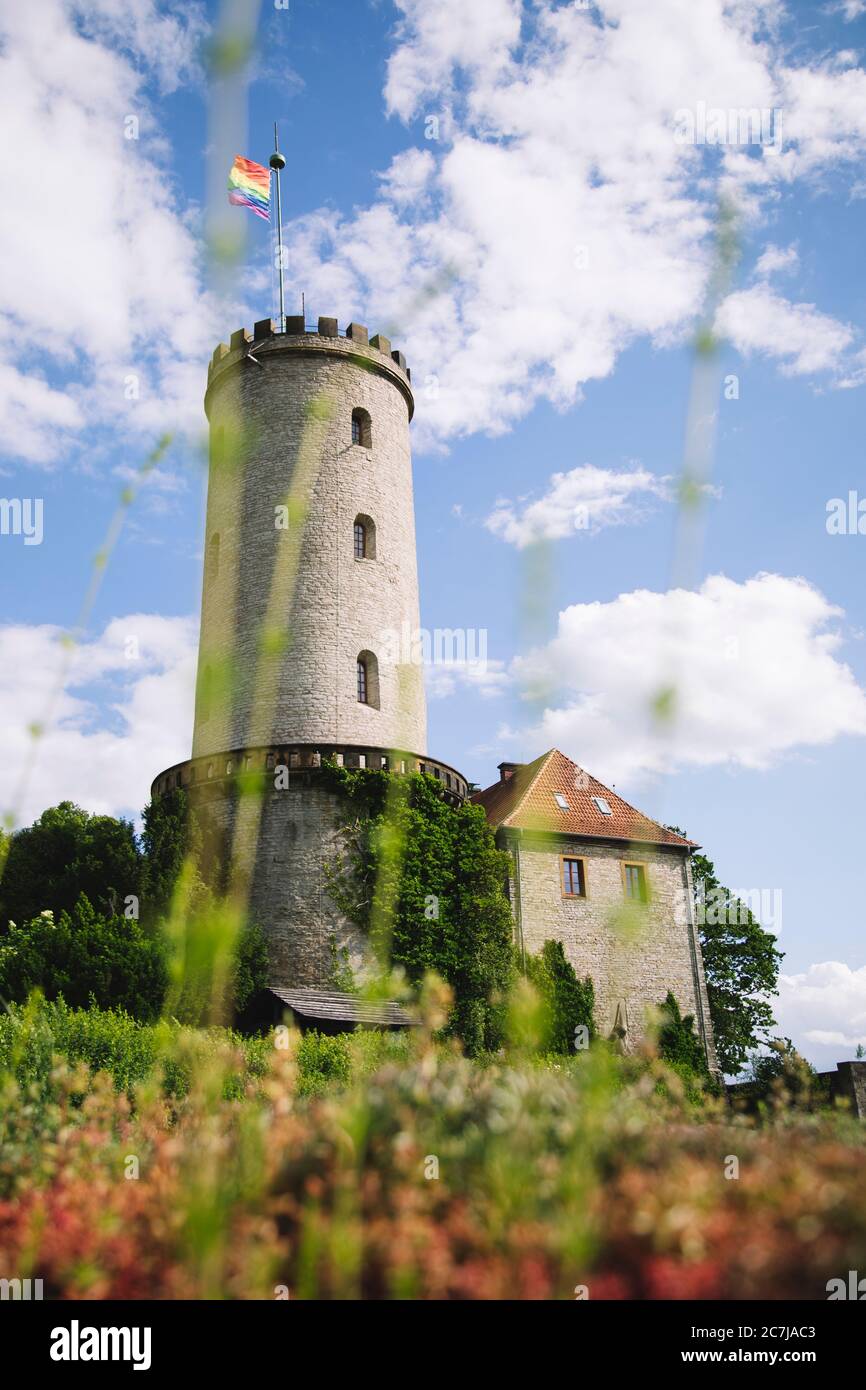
column 614, row 887
column 310, row 581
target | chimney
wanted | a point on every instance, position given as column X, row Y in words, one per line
column 507, row 771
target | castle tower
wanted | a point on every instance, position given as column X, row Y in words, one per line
column 309, row 607
column 317, row 424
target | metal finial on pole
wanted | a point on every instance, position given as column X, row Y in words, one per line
column 277, row 162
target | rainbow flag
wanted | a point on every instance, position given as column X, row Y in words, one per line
column 250, row 186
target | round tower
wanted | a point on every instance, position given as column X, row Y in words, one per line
column 310, row 536
column 309, row 616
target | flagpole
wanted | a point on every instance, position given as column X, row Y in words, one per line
column 277, row 162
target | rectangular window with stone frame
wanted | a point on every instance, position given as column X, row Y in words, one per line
column 634, row 878
column 573, row 876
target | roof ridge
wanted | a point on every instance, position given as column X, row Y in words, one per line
column 543, row 760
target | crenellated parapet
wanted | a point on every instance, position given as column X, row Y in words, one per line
column 219, row 769
column 355, row 344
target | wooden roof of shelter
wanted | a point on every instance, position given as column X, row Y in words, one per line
column 338, row 1007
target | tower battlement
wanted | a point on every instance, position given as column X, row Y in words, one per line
column 372, row 352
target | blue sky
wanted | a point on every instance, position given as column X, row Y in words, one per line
column 555, row 133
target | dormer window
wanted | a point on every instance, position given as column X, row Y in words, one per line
column 603, row 805
column 362, row 431
column 561, row 801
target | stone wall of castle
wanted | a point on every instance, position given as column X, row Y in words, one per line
column 280, row 409
column 633, row 957
column 285, row 842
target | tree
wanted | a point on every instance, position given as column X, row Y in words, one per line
column 783, row 1077
column 425, row 881
column 165, row 842
column 65, row 853
column 173, row 834
column 678, row 1041
column 568, row 1001
column 741, row 963
column 85, row 958
column 176, row 835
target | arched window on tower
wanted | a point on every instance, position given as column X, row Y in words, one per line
column 364, row 537
column 368, row 679
column 362, row 431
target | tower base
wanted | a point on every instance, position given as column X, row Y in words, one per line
column 284, row 841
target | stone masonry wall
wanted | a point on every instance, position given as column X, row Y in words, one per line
column 636, row 967
column 294, row 834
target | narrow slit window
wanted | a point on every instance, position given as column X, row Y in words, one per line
column 362, row 430
column 367, row 677
column 364, row 537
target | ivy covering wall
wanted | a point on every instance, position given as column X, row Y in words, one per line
column 426, row 883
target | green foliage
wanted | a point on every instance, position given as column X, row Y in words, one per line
column 172, row 836
column 782, row 1078
column 323, row 1061
column 328, row 1062
column 567, row 1001
column 425, row 881
column 83, row 953
column 216, row 964
column 217, row 961
column 678, row 1042
column 251, row 966
column 108, row 1040
column 65, row 853
column 741, row 963
column 84, row 957
column 165, row 841
column 342, row 976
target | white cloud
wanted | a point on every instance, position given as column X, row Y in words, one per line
column 438, row 39
column 106, row 276
column 754, row 666
column 849, row 9
column 555, row 219
column 586, row 498
column 777, row 258
column 799, row 336
column 169, row 41
column 408, row 176
column 117, row 721
column 38, row 418
column 823, row 1011
column 484, row 677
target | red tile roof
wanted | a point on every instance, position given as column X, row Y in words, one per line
column 527, row 801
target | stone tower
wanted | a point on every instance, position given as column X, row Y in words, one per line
column 309, row 609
